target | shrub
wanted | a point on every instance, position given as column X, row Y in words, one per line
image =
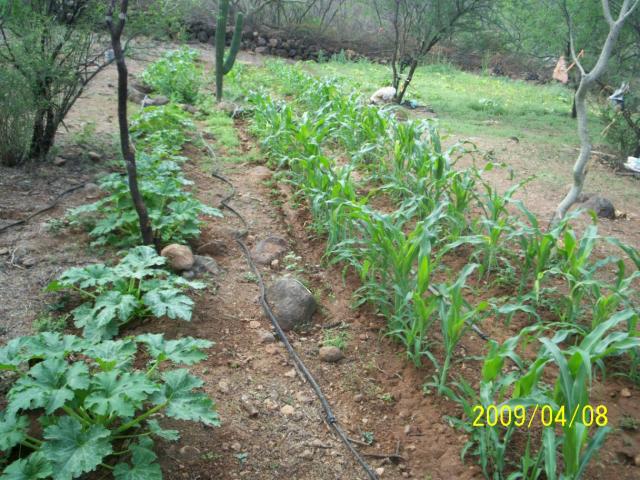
column 622, row 129
column 176, row 75
column 16, row 118
column 93, row 407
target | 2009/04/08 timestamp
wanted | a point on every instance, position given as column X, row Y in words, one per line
column 521, row 416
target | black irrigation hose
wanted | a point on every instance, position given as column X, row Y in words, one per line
column 42, row 210
column 329, row 415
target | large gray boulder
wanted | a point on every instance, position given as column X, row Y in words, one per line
column 291, row 302
column 602, row 206
column 269, row 249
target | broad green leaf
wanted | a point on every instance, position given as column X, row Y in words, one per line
column 13, row 430
column 85, row 277
column 182, row 402
column 51, row 344
column 114, row 304
column 184, row 350
column 120, row 393
column 144, row 463
column 169, row 302
column 33, row 467
column 112, row 353
column 158, row 431
column 49, row 385
column 10, row 354
column 139, row 263
column 73, row 450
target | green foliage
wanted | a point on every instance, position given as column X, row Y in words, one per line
column 135, row 288
column 16, row 117
column 176, row 75
column 94, row 407
column 224, row 65
column 173, row 210
column 338, row 339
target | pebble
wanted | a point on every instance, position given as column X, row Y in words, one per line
column 380, row 471
column 190, row 453
column 267, row 337
column 59, row 161
column 287, row 410
column 358, row 397
column 306, row 454
column 94, row 156
column 236, row 447
column 331, row 354
column 636, row 460
column 271, row 349
column 254, row 324
column 303, row 398
column 291, row 373
column 625, row 392
column 223, row 386
column 4, row 251
column 275, row 264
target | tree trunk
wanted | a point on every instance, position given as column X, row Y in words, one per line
column 586, row 82
column 407, row 81
column 128, row 154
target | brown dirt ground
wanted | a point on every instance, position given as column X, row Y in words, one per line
column 373, row 390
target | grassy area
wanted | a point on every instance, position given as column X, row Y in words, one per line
column 469, row 104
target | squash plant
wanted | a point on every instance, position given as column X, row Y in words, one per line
column 93, row 408
column 134, row 288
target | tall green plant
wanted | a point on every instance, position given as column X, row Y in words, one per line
column 224, row 66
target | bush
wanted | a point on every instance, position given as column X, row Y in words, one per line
column 176, row 75
column 16, row 118
column 622, row 129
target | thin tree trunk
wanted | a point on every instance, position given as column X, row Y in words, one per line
column 586, row 82
column 407, row 81
column 125, row 144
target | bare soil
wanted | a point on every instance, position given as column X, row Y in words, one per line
column 374, row 390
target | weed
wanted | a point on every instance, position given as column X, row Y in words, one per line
column 338, row 339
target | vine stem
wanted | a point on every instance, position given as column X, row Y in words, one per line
column 142, row 417
column 71, row 412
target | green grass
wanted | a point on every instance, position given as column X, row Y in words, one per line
column 470, row 104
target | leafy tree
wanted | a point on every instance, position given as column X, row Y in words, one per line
column 416, row 26
column 52, row 46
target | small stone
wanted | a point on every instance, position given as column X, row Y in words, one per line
column 223, row 386
column 190, row 453
column 267, row 337
column 4, row 251
column 275, row 263
column 636, row 460
column 380, row 471
column 94, row 156
column 331, row 354
column 179, row 256
column 260, row 173
column 269, row 249
column 236, row 447
column 190, row 108
column 134, row 95
column 306, row 454
column 249, row 408
column 291, row 373
column 303, row 398
column 91, row 191
column 287, row 410
column 625, row 392
column 407, row 429
column 261, row 50
column 358, row 397
column 155, row 101
column 205, row 264
column 28, row 261
column 59, row 161
column 254, row 324
column 271, row 349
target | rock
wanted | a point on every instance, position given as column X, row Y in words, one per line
column 331, row 354
column 358, row 397
column 94, row 156
column 273, row 42
column 261, row 41
column 625, row 392
column 204, row 264
column 287, row 410
column 91, row 191
column 636, row 460
column 291, row 373
column 260, row 173
column 135, row 96
column 266, row 337
column 261, row 50
column 380, row 471
column 269, row 249
column 140, row 86
column 306, row 454
column 254, row 324
column 292, row 303
column 275, row 264
column 227, row 107
column 602, row 206
column 59, row 161
column 4, row 251
column 178, row 256
column 223, row 386
column 216, row 248
column 155, row 101
column 190, row 453
column 192, row 109
column 236, row 447
column 303, row 398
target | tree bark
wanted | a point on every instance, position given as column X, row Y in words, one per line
column 125, row 144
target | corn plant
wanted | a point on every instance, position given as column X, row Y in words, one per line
column 94, row 408
column 135, row 288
